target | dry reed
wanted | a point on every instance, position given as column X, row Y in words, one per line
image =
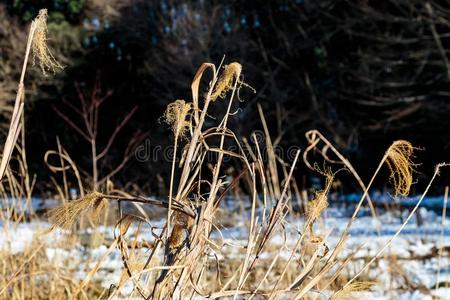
column 183, row 261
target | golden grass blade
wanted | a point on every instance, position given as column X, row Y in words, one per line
column 196, row 85
column 175, row 116
column 13, row 134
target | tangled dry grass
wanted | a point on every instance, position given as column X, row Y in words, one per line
column 181, row 262
column 185, row 260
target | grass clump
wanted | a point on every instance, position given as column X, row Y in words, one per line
column 185, row 260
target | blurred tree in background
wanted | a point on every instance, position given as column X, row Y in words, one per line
column 363, row 72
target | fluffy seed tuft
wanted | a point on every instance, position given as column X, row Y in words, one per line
column 349, row 291
column 226, row 80
column 320, row 202
column 41, row 52
column 65, row 216
column 175, row 116
column 401, row 167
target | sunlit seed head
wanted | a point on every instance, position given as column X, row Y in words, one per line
column 351, row 291
column 176, row 114
column 226, row 80
column 401, row 167
column 65, row 216
column 320, row 201
column 41, row 53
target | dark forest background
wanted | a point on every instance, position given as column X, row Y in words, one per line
column 362, row 72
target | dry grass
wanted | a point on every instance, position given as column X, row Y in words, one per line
column 186, row 248
column 66, row 216
column 37, row 39
column 320, row 202
column 184, row 261
column 175, row 116
column 226, row 81
column 351, row 291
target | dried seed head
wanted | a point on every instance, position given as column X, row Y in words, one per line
column 226, row 80
column 41, row 52
column 65, row 216
column 175, row 116
column 349, row 291
column 320, row 202
column 401, row 167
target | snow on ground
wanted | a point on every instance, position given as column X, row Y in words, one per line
column 415, row 241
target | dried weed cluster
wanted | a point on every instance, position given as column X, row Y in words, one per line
column 182, row 258
column 186, row 261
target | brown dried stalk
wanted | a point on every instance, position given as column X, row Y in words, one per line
column 37, row 39
column 175, row 116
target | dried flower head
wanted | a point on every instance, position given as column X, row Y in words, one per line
column 41, row 52
column 399, row 162
column 176, row 114
column 65, row 216
column 226, row 80
column 320, row 202
column 349, row 292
